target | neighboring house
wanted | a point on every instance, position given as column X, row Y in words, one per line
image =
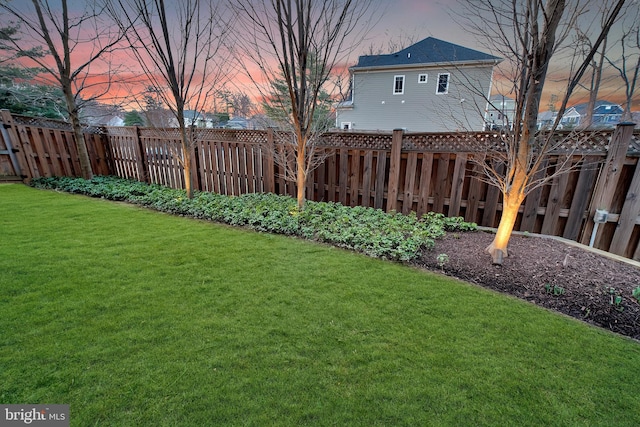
column 605, row 115
column 237, row 123
column 570, row 119
column 499, row 113
column 546, row 119
column 95, row 113
column 195, row 118
column 431, row 86
column 115, row 121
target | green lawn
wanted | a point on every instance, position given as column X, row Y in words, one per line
column 134, row 317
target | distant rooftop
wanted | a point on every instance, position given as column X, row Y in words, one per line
column 427, row 51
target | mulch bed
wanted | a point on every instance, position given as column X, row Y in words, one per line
column 549, row 273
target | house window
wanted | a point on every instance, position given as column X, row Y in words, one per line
column 398, row 85
column 345, row 125
column 443, row 83
column 422, row 78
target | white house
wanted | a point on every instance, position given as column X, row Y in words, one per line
column 501, row 111
column 605, row 115
column 430, row 86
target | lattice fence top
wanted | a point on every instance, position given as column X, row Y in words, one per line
column 41, row 122
column 363, row 140
column 588, row 142
column 44, row 122
column 584, row 142
column 121, row 131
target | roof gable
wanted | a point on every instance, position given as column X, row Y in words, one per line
column 600, row 107
column 427, row 51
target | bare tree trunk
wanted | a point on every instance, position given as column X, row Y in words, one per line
column 81, row 143
column 188, row 184
column 301, row 165
column 511, row 202
column 595, row 86
column 307, row 40
column 186, row 136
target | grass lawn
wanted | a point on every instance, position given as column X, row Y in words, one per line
column 133, row 317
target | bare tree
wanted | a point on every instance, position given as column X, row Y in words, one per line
column 584, row 43
column 302, row 41
column 181, row 47
column 238, row 101
column 628, row 63
column 528, row 33
column 67, row 45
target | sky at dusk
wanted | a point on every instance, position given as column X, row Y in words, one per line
column 399, row 23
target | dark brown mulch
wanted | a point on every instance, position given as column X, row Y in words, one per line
column 549, row 273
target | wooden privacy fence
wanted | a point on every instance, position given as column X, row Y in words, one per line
column 417, row 172
column 33, row 147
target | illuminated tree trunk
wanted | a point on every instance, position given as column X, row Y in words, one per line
column 511, row 201
column 301, row 170
column 188, row 185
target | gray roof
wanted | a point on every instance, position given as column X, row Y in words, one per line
column 427, row 51
column 599, row 108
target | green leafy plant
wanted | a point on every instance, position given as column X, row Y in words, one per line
column 615, row 299
column 554, row 289
column 636, row 293
column 387, row 235
column 442, row 260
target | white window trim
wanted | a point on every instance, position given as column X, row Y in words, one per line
column 345, row 125
column 426, row 78
column 446, row 91
column 395, row 79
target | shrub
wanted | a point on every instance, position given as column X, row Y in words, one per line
column 371, row 231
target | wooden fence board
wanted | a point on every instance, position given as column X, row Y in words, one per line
column 343, row 176
column 532, row 201
column 53, row 153
column 554, row 203
column 366, row 178
column 457, row 182
column 63, row 152
column 608, row 180
column 581, row 196
column 409, row 182
column 475, row 193
column 381, row 166
column 354, row 178
column 425, row 183
column 394, row 171
column 40, row 150
column 441, row 187
column 629, row 217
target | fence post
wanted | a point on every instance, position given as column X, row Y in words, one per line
column 394, row 170
column 105, row 139
column 194, row 152
column 268, row 166
column 17, row 153
column 608, row 178
column 143, row 172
